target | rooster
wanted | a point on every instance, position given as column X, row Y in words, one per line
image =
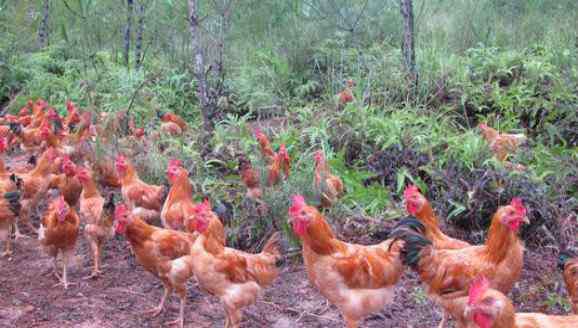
column 358, row 279
column 417, row 205
column 235, row 277
column 329, row 186
column 569, row 266
column 264, row 146
column 164, row 253
column 58, row 233
column 448, row 272
column 489, row 308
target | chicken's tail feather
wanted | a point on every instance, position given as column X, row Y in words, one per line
column 563, row 257
column 273, row 245
column 411, row 253
column 13, row 199
column 408, row 225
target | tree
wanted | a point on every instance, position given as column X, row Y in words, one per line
column 43, row 32
column 210, row 81
column 127, row 31
column 138, row 55
column 408, row 42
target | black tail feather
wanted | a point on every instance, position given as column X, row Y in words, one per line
column 407, row 225
column 411, row 230
column 563, row 257
column 13, row 199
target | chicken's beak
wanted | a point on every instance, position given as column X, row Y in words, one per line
column 526, row 220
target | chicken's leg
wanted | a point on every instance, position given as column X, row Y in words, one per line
column 444, row 319
column 180, row 322
column 64, row 281
column 157, row 310
column 8, row 248
column 95, row 246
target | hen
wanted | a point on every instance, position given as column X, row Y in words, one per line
column 173, row 118
column 164, row 253
column 235, row 277
column 9, row 211
column 180, row 198
column 448, row 272
column 142, row 198
column 264, row 146
column 329, row 186
column 67, row 182
column 569, row 266
column 490, row 308
column 358, row 279
column 96, row 215
column 346, row 95
column 502, row 144
column 58, row 233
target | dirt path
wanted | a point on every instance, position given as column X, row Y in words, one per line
column 28, row 298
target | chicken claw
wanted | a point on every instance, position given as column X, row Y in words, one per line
column 154, row 312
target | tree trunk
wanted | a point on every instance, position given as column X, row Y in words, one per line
column 200, row 75
column 139, row 35
column 127, row 32
column 408, row 42
column 43, row 37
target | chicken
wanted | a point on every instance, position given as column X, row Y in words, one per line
column 569, row 266
column 73, row 117
column 96, row 215
column 346, row 95
column 235, row 277
column 285, row 161
column 67, row 182
column 171, row 129
column 9, row 211
column 173, row 118
column 264, row 146
column 34, row 186
column 250, row 178
column 180, row 198
column 448, row 272
column 489, row 308
column 358, row 279
column 28, row 138
column 502, row 144
column 8, row 180
column 164, row 253
column 58, row 233
column 330, row 187
column 142, row 198
column 274, row 171
column 417, row 205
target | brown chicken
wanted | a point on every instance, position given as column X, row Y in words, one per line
column 489, row 308
column 145, row 200
column 72, row 117
column 164, row 253
column 568, row 263
column 173, row 118
column 345, row 96
column 96, row 215
column 329, row 186
column 180, row 198
column 34, row 186
column 285, row 161
column 264, row 146
column 171, row 129
column 250, row 178
column 448, row 272
column 235, row 277
column 274, row 171
column 358, row 279
column 502, row 144
column 67, row 182
column 58, row 233
column 9, row 212
column 417, row 205
column 29, row 139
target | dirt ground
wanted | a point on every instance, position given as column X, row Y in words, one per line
column 28, row 298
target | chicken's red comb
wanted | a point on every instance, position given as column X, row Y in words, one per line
column 175, row 162
column 518, row 205
column 24, row 111
column 410, row 191
column 120, row 158
column 203, row 207
column 70, row 106
column 483, row 126
column 318, row 156
column 297, row 204
column 120, row 211
column 259, row 133
column 3, row 144
column 477, row 288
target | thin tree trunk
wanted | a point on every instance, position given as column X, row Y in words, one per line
column 139, row 35
column 200, row 74
column 127, row 32
column 408, row 42
column 43, row 33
